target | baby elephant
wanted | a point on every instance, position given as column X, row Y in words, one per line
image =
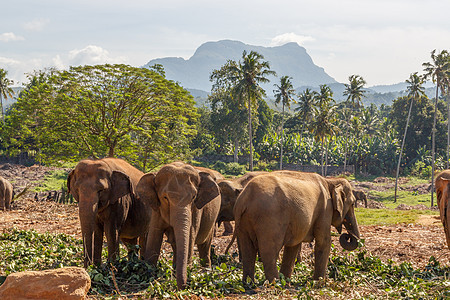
column 360, row 195
column 6, row 194
column 281, row 209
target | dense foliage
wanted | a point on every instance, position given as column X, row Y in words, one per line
column 356, row 273
column 97, row 111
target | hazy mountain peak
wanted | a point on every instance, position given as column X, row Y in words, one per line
column 289, row 59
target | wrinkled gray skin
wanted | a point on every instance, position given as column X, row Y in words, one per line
column 280, row 209
column 185, row 203
column 105, row 191
column 6, row 194
column 361, row 196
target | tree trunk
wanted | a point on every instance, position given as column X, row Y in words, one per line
column 448, row 127
column 3, row 113
column 321, row 155
column 250, row 162
column 401, row 149
column 326, row 158
column 433, row 143
column 282, row 140
column 346, row 144
column 235, row 153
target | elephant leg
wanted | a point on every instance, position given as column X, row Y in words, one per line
column 269, row 254
column 299, row 254
column 289, row 256
column 112, row 239
column 248, row 251
column 142, row 243
column 228, row 228
column 204, row 252
column 98, row 245
column 155, row 235
column 322, row 249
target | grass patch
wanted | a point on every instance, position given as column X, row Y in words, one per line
column 403, row 197
column 367, row 216
column 53, row 181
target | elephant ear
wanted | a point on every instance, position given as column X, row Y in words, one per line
column 146, row 190
column 121, row 187
column 207, row 190
column 69, row 179
column 337, row 195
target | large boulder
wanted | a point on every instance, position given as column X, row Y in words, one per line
column 63, row 283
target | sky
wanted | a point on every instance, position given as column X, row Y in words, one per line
column 384, row 41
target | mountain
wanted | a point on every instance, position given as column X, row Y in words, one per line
column 289, row 59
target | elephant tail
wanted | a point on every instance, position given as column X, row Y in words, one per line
column 232, row 240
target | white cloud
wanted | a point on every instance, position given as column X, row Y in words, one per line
column 10, row 36
column 92, row 55
column 285, row 38
column 36, row 25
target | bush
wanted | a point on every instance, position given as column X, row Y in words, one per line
column 421, row 170
column 229, row 168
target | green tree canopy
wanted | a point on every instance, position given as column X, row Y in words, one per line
column 103, row 110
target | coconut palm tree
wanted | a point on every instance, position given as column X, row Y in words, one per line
column 246, row 75
column 283, row 93
column 437, row 71
column 305, row 108
column 325, row 117
column 415, row 90
column 354, row 92
column 323, row 127
column 5, row 90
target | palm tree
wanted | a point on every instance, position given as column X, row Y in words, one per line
column 305, row 107
column 415, row 90
column 323, row 127
column 354, row 92
column 283, row 94
column 437, row 71
column 5, row 89
column 246, row 76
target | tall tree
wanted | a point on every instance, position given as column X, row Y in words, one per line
column 105, row 110
column 323, row 125
column 437, row 71
column 415, row 90
column 5, row 90
column 305, row 108
column 246, row 76
column 283, row 93
column 354, row 91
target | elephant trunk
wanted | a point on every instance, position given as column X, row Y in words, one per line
column 350, row 241
column 88, row 214
column 181, row 222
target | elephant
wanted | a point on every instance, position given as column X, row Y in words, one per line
column 286, row 209
column 229, row 190
column 443, row 201
column 6, row 194
column 105, row 191
column 185, row 203
column 360, row 195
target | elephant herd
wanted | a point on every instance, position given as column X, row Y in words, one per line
column 271, row 210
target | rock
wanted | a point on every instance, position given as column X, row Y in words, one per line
column 63, row 283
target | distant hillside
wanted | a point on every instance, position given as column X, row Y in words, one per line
column 289, row 59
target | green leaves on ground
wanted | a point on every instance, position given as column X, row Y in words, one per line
column 28, row 250
column 356, row 274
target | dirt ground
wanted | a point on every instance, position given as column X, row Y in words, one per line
column 414, row 243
